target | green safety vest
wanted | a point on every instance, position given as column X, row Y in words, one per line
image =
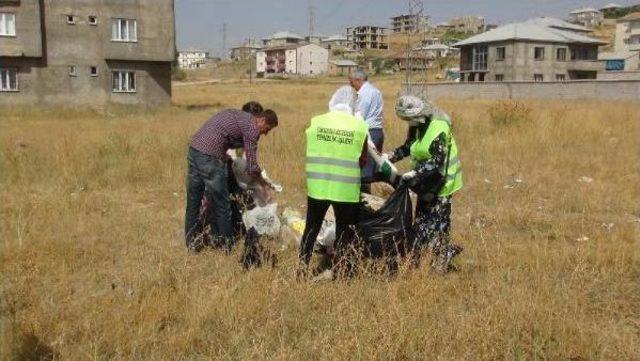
column 334, row 146
column 420, row 153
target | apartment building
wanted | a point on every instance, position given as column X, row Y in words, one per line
column 469, row 24
column 300, row 59
column 628, row 33
column 66, row 52
column 409, row 23
column 336, row 42
column 588, row 17
column 368, row 37
column 536, row 50
column 245, row 51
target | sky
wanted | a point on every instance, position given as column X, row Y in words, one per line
column 199, row 23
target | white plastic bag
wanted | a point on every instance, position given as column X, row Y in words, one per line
column 264, row 220
column 327, row 234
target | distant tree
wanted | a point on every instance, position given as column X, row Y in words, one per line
column 618, row 13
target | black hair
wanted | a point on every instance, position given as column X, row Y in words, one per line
column 253, row 107
column 270, row 117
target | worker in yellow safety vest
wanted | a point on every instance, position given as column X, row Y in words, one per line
column 435, row 177
column 336, row 153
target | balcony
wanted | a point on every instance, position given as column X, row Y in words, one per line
column 585, row 65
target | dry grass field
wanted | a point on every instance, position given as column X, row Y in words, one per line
column 93, row 265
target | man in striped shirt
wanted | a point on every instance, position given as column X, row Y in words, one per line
column 208, row 171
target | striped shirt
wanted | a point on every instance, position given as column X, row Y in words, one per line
column 230, row 129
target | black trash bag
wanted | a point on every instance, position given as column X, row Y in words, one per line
column 385, row 233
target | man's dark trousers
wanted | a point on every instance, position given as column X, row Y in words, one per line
column 208, row 175
column 346, row 216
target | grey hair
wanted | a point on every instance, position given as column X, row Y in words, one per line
column 359, row 74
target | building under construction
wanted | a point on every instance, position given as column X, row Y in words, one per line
column 368, row 37
column 409, row 23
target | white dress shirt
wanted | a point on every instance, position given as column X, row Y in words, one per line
column 370, row 105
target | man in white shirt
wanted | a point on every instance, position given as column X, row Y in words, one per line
column 370, row 106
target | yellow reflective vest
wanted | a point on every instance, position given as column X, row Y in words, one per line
column 334, row 145
column 420, row 153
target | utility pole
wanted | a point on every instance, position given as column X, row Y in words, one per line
column 311, row 21
column 224, row 41
column 251, row 55
column 416, row 12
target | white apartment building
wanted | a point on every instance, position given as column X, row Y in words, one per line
column 628, row 33
column 588, row 17
column 303, row 59
column 192, row 58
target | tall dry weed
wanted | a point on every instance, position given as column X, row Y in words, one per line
column 508, row 113
column 94, row 267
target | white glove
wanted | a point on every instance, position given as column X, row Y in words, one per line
column 409, row 176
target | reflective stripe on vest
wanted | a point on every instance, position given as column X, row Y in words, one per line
column 334, row 146
column 420, row 152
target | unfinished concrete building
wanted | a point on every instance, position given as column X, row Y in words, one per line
column 368, row 37
column 469, row 24
column 537, row 50
column 67, row 52
column 409, row 23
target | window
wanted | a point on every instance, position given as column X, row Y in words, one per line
column 539, row 53
column 614, row 65
column 7, row 24
column 480, row 57
column 538, row 77
column 561, row 77
column 561, row 54
column 71, row 19
column 124, row 30
column 584, row 54
column 93, row 71
column 499, row 77
column 8, row 79
column 72, row 70
column 500, row 53
column 123, row 82
column 93, row 20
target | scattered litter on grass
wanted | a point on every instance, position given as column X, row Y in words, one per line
column 175, row 194
column 515, row 180
column 487, row 181
column 263, row 219
column 608, row 226
column 582, row 239
column 585, row 179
